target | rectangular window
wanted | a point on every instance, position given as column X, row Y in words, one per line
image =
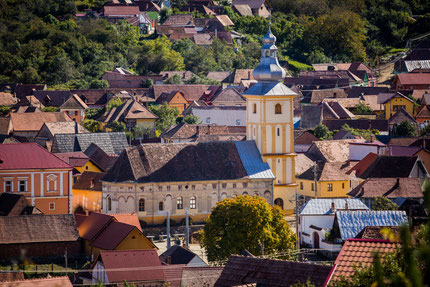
column 329, row 187
column 180, row 203
column 237, row 122
column 179, row 187
column 51, row 206
column 245, row 185
column 234, row 185
column 205, row 186
column 224, row 185
column 208, row 120
column 130, row 188
column 213, row 185
column 193, row 204
column 193, row 187
column 76, row 113
column 160, row 188
column 343, row 185
column 168, row 187
column 8, row 186
column 22, row 185
column 312, row 187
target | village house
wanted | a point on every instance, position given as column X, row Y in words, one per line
column 326, row 179
column 47, row 132
column 393, row 102
column 51, row 98
column 190, row 93
column 392, row 188
column 99, row 157
column 228, row 97
column 133, row 114
column 181, row 255
column 124, row 80
column 219, row 115
column 144, row 268
column 30, row 170
column 29, row 124
column 174, row 99
column 87, row 191
column 75, row 108
column 303, row 140
column 24, row 90
column 358, row 150
column 411, row 81
column 110, row 143
column 80, row 161
column 316, row 217
column 105, row 232
column 184, row 132
column 188, row 176
column 261, row 8
column 38, row 235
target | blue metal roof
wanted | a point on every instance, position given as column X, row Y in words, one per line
column 322, row 206
column 252, row 161
column 352, row 222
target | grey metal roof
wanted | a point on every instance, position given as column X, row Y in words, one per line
column 322, row 206
column 270, row 89
column 421, row 64
column 110, row 143
column 252, row 161
column 352, row 222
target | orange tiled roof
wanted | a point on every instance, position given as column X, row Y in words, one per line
column 356, row 251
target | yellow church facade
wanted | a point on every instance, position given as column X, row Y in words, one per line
column 270, row 122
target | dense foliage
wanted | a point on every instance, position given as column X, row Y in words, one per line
column 406, row 129
column 166, row 116
column 322, row 132
column 246, row 222
column 383, row 203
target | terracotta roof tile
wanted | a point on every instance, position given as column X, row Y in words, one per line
column 388, row 187
column 132, row 266
column 39, row 282
column 413, row 78
column 112, row 235
column 34, row 121
column 190, row 92
column 7, row 99
column 359, row 253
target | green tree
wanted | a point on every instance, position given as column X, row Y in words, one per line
column 201, row 80
column 94, row 113
column 406, row 129
column 383, row 203
column 116, row 126
column 114, row 102
column 174, row 80
column 322, row 132
column 362, row 109
column 166, row 116
column 91, row 125
column 99, row 84
column 147, row 83
column 5, row 110
column 192, row 119
column 50, row 109
column 245, row 222
column 425, row 131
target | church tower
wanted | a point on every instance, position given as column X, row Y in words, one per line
column 269, row 121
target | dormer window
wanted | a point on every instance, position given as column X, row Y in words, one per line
column 278, row 109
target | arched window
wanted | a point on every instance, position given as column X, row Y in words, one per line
column 193, row 203
column 141, row 204
column 109, row 203
column 180, row 203
column 254, row 108
column 161, row 206
column 278, row 109
column 51, row 182
column 223, row 195
column 279, row 202
column 244, row 193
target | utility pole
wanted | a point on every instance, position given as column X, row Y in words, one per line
column 187, row 231
column 168, row 229
column 315, row 178
column 297, row 221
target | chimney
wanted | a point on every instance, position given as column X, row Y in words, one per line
column 346, row 205
column 76, row 127
column 372, row 138
column 197, row 129
column 249, row 75
column 169, row 260
column 397, row 182
column 333, row 207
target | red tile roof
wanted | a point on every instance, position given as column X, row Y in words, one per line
column 174, row 274
column 90, row 180
column 132, row 266
column 28, row 156
column 190, row 92
column 112, row 235
column 93, row 225
column 75, row 159
column 128, row 218
column 358, row 251
column 363, row 164
column 34, row 121
column 413, row 78
column 118, row 10
column 63, row 281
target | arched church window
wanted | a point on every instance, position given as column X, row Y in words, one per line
column 278, row 109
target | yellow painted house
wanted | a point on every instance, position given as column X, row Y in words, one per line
column 104, row 232
column 87, row 191
column 394, row 102
column 80, row 161
column 331, row 180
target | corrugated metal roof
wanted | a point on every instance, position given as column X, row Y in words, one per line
column 322, row 206
column 252, row 161
column 412, row 65
column 352, row 222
